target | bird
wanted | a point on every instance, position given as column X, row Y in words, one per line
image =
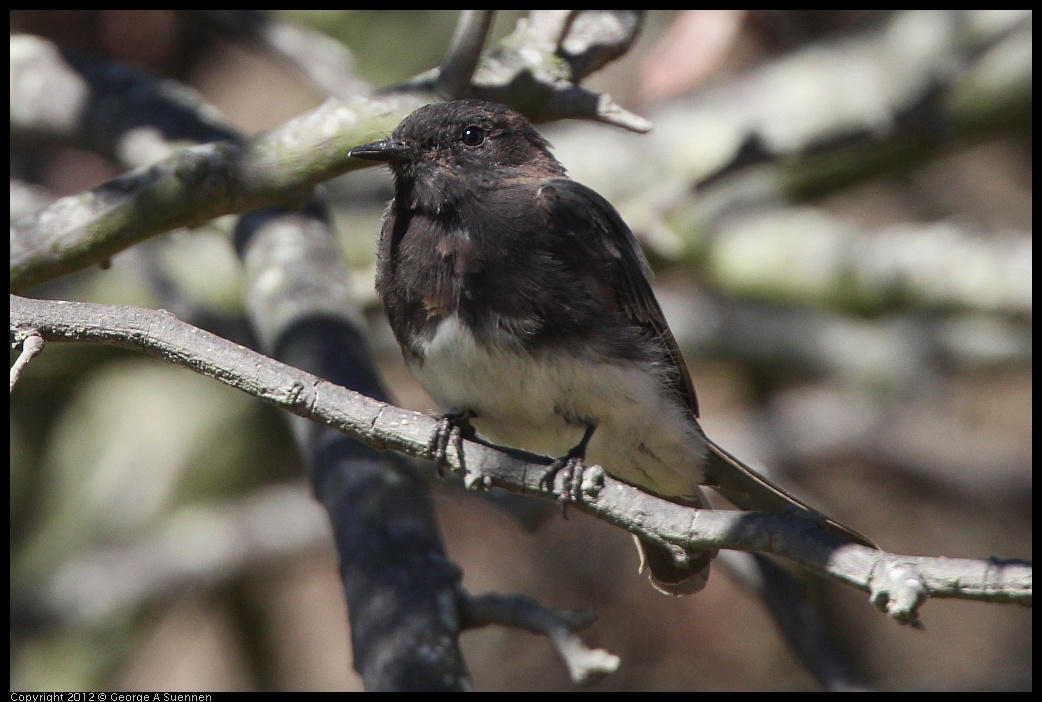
column 523, row 305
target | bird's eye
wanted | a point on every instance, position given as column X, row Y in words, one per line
column 473, row 136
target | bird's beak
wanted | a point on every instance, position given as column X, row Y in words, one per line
column 386, row 150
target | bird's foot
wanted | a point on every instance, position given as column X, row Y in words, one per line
column 453, row 428
column 573, row 468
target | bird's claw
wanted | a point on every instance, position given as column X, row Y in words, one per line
column 572, row 466
column 453, row 428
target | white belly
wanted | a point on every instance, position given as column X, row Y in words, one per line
column 543, row 404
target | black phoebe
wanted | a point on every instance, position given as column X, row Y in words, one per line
column 521, row 301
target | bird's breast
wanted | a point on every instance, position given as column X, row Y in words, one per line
column 542, row 400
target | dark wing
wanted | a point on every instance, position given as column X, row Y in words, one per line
column 596, row 231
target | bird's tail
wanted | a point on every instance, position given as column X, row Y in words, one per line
column 750, row 491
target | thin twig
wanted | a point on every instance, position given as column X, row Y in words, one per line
column 585, row 665
column 32, row 345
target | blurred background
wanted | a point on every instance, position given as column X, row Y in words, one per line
column 837, row 205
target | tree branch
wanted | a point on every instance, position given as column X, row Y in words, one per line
column 585, row 665
column 461, row 60
column 121, row 112
column 279, row 167
column 537, row 67
column 898, row 584
column 192, row 187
